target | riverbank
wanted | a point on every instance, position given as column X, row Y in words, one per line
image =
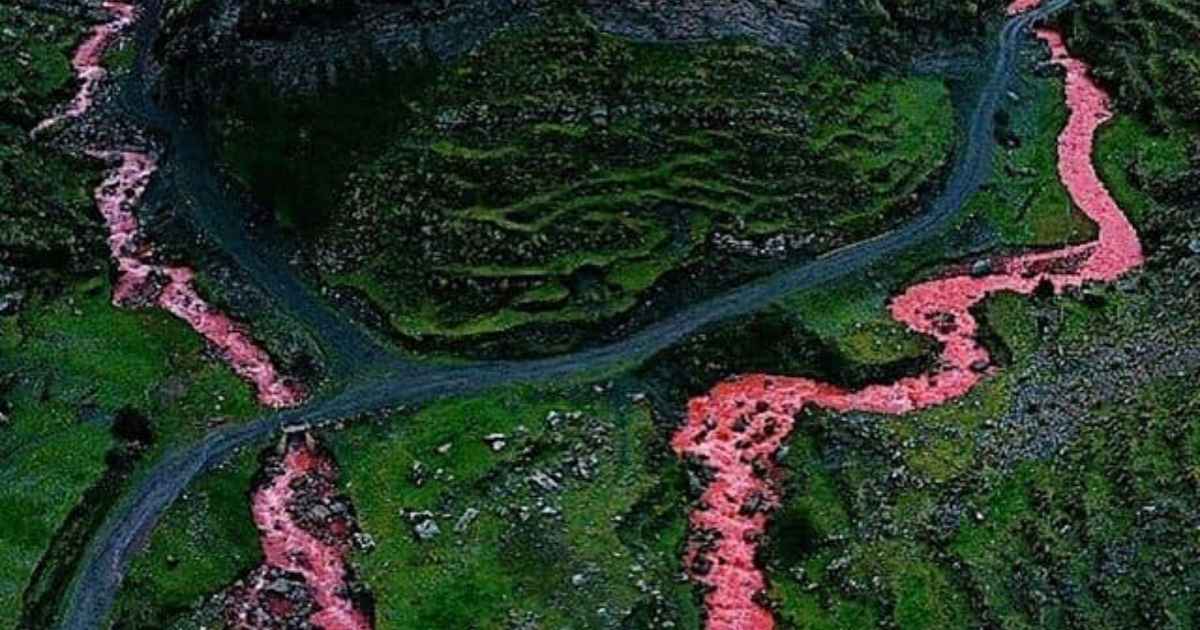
column 738, row 428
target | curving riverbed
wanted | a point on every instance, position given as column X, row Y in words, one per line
column 738, row 427
column 314, row 551
column 141, row 281
column 106, row 558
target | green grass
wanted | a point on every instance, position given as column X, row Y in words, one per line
column 1137, row 164
column 48, row 464
column 1024, row 516
column 852, row 316
column 1117, row 494
column 47, row 223
column 1027, row 204
column 205, row 542
column 74, row 363
column 1148, row 52
column 506, row 566
column 35, row 62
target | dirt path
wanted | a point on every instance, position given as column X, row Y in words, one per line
column 738, row 427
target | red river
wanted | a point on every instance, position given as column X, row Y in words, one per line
column 142, row 281
column 738, row 427
column 317, row 553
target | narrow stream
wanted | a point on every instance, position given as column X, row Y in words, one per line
column 315, row 550
column 738, row 427
column 141, row 281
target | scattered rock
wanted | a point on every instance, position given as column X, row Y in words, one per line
column 465, row 520
column 496, row 440
column 427, row 529
column 11, row 302
column 544, row 481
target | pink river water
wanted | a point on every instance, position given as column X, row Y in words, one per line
column 738, row 427
column 286, row 545
column 141, row 281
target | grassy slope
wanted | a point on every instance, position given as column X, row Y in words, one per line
column 1148, row 51
column 47, row 225
column 514, row 561
column 825, row 574
column 622, row 524
column 1027, row 204
column 204, row 543
column 72, row 365
column 907, row 575
column 524, row 206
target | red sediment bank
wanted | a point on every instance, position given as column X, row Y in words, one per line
column 737, row 428
column 143, row 282
column 314, row 549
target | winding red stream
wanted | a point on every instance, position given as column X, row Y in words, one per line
column 141, row 281
column 316, row 552
column 287, row 545
column 737, row 428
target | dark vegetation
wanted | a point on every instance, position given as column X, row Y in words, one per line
column 48, row 229
column 1148, row 52
column 297, row 152
column 554, row 177
column 889, row 31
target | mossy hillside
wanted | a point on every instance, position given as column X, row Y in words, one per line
column 624, row 523
column 48, row 231
column 1145, row 169
column 35, row 63
column 598, row 548
column 557, row 174
column 892, row 30
column 204, row 543
column 1094, row 534
column 1056, row 525
column 1147, row 52
column 73, row 368
column 640, row 221
column 1024, row 534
